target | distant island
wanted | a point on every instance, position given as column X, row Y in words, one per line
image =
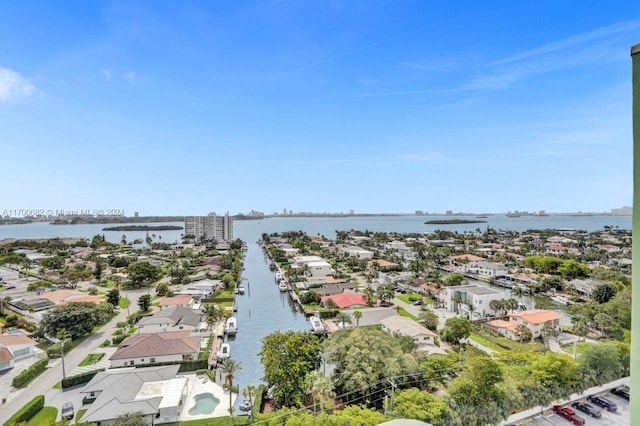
column 453, row 221
column 143, row 228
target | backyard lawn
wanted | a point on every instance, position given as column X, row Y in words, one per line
column 91, row 359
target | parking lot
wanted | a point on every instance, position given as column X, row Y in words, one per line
column 621, row 417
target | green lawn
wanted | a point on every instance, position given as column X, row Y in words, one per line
column 404, row 313
column 215, row 421
column 580, row 347
column 486, row 343
column 91, row 359
column 123, row 303
column 501, row 344
column 80, row 414
column 44, row 416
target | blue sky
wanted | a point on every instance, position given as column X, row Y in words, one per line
column 189, row 107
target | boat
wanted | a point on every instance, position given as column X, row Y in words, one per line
column 514, row 214
column 272, row 266
column 231, row 327
column 224, row 352
column 245, row 406
column 482, row 217
column 283, row 286
column 278, row 277
column 241, row 289
column 316, row 325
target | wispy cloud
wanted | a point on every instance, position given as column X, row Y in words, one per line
column 438, row 64
column 584, row 48
column 107, row 74
column 14, row 87
column 572, row 41
column 130, row 76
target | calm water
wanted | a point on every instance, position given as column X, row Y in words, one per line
column 263, row 309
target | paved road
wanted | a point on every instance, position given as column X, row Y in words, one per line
column 16, row 398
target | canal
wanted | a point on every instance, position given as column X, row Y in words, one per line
column 262, row 310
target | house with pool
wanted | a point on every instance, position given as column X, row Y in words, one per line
column 154, row 391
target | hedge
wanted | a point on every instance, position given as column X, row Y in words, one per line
column 70, row 381
column 27, row 412
column 54, row 350
column 24, row 378
column 189, row 365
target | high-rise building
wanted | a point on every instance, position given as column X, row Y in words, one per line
column 210, row 227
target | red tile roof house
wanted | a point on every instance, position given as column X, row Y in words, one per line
column 14, row 347
column 534, row 320
column 141, row 349
column 347, row 300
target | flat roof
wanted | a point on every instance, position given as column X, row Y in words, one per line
column 478, row 290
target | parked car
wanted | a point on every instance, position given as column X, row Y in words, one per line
column 417, row 302
column 621, row 392
column 568, row 414
column 67, row 411
column 587, row 409
column 603, row 402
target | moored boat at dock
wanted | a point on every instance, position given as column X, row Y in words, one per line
column 231, row 327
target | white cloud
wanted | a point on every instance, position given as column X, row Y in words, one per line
column 130, row 77
column 572, row 41
column 107, row 74
column 14, row 87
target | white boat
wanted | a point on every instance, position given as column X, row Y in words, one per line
column 245, row 406
column 278, row 277
column 231, row 327
column 283, row 286
column 224, row 352
column 241, row 289
column 316, row 325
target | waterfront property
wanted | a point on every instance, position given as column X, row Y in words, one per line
column 346, row 300
column 157, row 347
column 154, row 391
column 209, row 228
column 534, row 320
column 470, row 300
column 176, row 318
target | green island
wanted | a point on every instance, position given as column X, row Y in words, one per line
column 143, row 228
column 453, row 221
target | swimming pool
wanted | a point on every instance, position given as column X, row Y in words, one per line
column 205, row 404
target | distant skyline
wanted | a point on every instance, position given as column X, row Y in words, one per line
column 189, row 107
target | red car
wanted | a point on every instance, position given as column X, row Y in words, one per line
column 568, row 414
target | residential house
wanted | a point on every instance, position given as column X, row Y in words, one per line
column 183, row 300
column 421, row 335
column 156, row 392
column 486, row 269
column 314, row 266
column 175, row 318
column 14, row 347
column 346, row 300
column 534, row 320
column 472, row 300
column 156, row 347
column 358, row 252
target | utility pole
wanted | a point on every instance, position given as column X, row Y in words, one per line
column 62, row 356
column 393, row 388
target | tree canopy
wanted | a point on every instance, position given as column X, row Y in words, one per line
column 287, row 358
column 77, row 318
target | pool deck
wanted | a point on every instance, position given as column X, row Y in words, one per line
column 202, row 384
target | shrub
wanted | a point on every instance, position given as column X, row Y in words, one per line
column 118, row 339
column 24, row 378
column 54, row 350
column 79, row 379
column 27, row 412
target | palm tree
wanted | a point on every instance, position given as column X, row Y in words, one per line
column 457, row 300
column 369, row 295
column 547, row 333
column 603, row 321
column 357, row 314
column 496, row 305
column 518, row 291
column 343, row 318
column 248, row 393
column 4, row 304
column 523, row 333
column 212, row 314
column 321, row 388
column 580, row 327
column 229, row 367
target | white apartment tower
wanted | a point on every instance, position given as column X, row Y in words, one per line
column 210, row 227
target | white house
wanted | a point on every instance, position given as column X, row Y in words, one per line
column 358, row 252
column 315, row 266
column 13, row 348
column 156, row 392
column 421, row 335
column 459, row 298
column 487, row 269
column 174, row 318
